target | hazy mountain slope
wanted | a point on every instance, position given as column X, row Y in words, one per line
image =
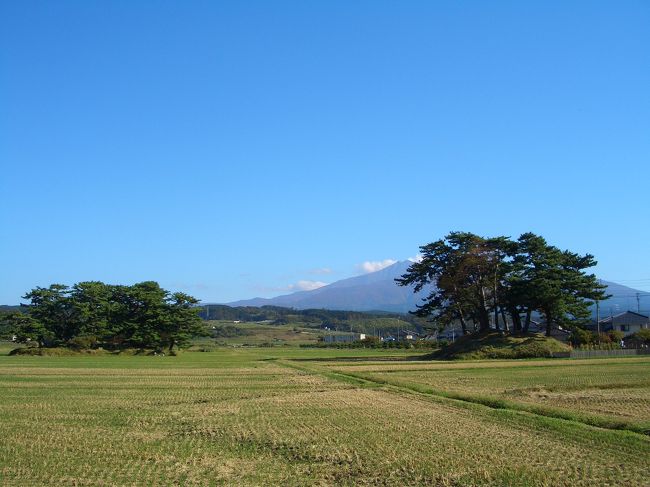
column 378, row 291
column 623, row 299
column 374, row 291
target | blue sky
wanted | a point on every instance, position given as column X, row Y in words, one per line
column 240, row 149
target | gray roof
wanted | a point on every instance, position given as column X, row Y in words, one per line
column 627, row 318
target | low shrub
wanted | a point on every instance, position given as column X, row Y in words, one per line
column 55, row 352
column 591, row 340
column 642, row 336
column 83, row 342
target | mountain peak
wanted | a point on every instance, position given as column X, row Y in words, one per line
column 366, row 292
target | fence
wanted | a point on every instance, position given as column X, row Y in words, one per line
column 623, row 352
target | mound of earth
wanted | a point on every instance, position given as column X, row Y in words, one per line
column 53, row 352
column 70, row 352
column 495, row 345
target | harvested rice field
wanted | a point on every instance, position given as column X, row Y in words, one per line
column 270, row 417
column 615, row 392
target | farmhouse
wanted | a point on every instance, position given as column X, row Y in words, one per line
column 628, row 323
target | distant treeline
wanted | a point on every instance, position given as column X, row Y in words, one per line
column 333, row 319
column 4, row 308
column 94, row 314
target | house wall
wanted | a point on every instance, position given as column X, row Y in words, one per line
column 629, row 329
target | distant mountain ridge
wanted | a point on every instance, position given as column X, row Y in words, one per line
column 378, row 291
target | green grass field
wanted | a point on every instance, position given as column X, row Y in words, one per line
column 290, row 416
column 260, row 333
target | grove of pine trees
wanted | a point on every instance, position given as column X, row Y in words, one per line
column 94, row 314
column 500, row 283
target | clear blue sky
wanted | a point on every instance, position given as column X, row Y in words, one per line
column 240, row 149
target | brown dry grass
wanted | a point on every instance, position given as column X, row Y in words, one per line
column 263, row 424
column 616, row 388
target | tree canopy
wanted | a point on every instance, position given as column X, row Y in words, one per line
column 493, row 282
column 92, row 313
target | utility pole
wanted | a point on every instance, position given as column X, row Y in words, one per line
column 598, row 313
column 638, row 303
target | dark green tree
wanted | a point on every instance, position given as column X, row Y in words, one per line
column 555, row 284
column 470, row 276
column 181, row 321
column 52, row 308
column 92, row 313
column 91, row 303
column 142, row 309
column 463, row 272
column 26, row 329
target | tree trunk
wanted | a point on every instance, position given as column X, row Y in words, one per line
column 529, row 312
column 172, row 342
column 496, row 300
column 516, row 319
column 496, row 308
column 483, row 315
column 549, row 323
column 463, row 323
column 483, row 320
column 505, row 321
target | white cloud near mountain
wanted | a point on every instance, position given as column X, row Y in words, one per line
column 417, row 258
column 306, row 285
column 374, row 265
column 302, row 285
